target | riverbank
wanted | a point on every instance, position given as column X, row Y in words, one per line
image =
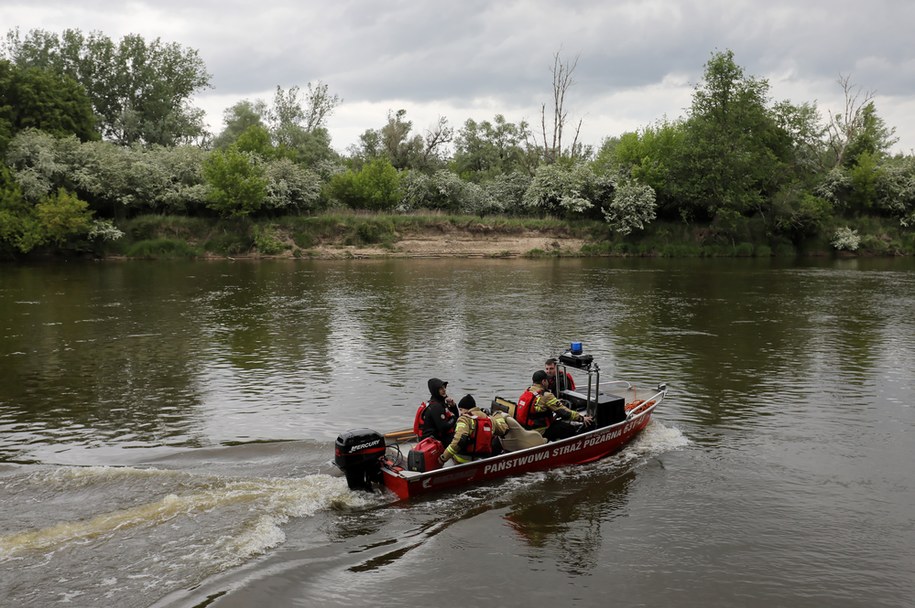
column 365, row 235
column 338, row 236
column 453, row 243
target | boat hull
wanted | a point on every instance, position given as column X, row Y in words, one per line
column 579, row 449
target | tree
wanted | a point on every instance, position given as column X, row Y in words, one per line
column 657, row 156
column 896, row 189
column 872, row 138
column 798, row 214
column 858, row 140
column 312, row 149
column 237, row 119
column 396, row 142
column 857, row 128
column 55, row 219
column 376, row 186
column 41, row 163
column 238, row 187
column 434, row 143
column 14, row 210
column 865, row 175
column 183, row 189
column 297, row 123
column 392, row 142
column 62, row 217
column 35, row 98
column 735, row 149
column 255, row 140
column 116, row 181
column 486, row 149
column 140, row 91
column 294, row 125
column 505, row 192
column 297, row 110
column 551, row 137
column 805, row 133
column 318, row 106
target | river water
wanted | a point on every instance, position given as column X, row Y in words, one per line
column 167, row 429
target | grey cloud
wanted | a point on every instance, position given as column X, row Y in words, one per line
column 455, row 52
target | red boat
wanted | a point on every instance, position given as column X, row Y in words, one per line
column 368, row 458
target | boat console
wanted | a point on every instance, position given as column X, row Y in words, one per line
column 606, row 409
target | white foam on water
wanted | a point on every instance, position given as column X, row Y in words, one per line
column 258, row 507
column 657, row 438
column 285, row 499
column 71, row 478
column 129, row 533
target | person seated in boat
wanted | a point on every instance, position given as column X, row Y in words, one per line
column 540, row 410
column 475, row 434
column 440, row 415
column 565, row 380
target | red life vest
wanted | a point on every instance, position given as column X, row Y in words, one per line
column 481, row 436
column 418, row 419
column 525, row 413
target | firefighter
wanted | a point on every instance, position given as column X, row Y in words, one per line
column 540, row 410
column 474, row 434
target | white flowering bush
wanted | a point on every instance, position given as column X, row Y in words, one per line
column 632, row 207
column 104, row 230
column 442, row 191
column 558, row 190
column 846, row 239
column 505, row 192
column 291, row 186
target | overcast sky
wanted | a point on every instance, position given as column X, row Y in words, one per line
column 638, row 61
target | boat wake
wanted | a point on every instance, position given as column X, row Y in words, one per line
column 145, row 528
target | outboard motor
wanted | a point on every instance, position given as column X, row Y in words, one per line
column 358, row 453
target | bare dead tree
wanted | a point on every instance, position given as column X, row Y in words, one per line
column 551, row 141
column 844, row 126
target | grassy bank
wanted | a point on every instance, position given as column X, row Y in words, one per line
column 359, row 235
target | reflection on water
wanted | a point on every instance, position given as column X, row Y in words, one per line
column 571, row 518
column 214, row 392
column 106, row 358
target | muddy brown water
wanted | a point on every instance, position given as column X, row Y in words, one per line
column 167, row 429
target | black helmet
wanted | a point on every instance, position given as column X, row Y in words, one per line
column 539, row 376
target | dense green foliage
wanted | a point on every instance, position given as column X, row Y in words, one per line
column 140, row 91
column 237, row 184
column 36, row 98
column 55, row 219
column 95, row 134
